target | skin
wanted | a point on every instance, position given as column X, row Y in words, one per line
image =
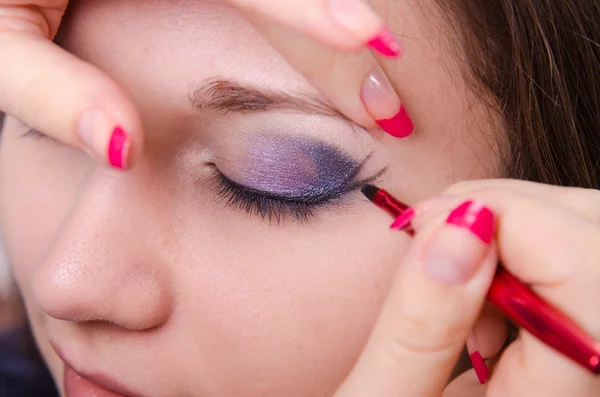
column 143, row 273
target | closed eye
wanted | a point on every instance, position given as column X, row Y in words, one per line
column 281, row 208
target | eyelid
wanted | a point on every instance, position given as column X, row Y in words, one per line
column 252, row 203
column 269, row 205
column 348, row 184
column 308, row 199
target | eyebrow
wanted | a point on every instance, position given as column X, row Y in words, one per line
column 228, row 96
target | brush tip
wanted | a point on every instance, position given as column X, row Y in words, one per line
column 369, row 191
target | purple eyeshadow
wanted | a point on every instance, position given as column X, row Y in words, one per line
column 296, row 167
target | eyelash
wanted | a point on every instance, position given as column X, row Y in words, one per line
column 270, row 206
column 34, row 134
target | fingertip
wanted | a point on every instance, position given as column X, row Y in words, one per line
column 382, row 103
column 385, row 43
column 106, row 139
column 125, row 146
column 479, row 365
column 359, row 18
column 491, row 331
column 119, row 148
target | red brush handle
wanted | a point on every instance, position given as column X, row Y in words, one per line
column 540, row 319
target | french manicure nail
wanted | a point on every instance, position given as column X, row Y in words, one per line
column 481, row 369
column 399, row 126
column 476, row 218
column 381, row 101
column 386, row 44
column 453, row 256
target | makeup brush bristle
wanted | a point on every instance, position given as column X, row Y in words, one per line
column 369, row 191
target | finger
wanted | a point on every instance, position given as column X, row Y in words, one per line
column 555, row 250
column 585, row 202
column 435, row 300
column 541, row 255
column 477, row 361
column 490, row 331
column 486, row 340
column 513, row 377
column 343, row 24
column 354, row 83
column 68, row 100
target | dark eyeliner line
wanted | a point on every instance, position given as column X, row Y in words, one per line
column 306, row 199
column 348, row 185
column 254, row 203
column 268, row 205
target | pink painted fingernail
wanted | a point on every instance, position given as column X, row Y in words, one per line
column 475, row 217
column 102, row 140
column 481, row 369
column 118, row 148
column 399, row 126
column 381, row 101
column 403, row 220
column 386, row 44
column 458, row 248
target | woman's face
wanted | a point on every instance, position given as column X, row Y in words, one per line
column 182, row 277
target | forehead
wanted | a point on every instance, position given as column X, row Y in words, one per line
column 165, row 48
column 196, row 38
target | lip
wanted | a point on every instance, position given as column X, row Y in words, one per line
column 81, row 384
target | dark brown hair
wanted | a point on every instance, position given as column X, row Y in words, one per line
column 538, row 64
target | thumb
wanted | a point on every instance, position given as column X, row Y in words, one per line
column 64, row 98
column 435, row 300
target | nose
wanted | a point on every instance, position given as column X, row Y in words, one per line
column 101, row 265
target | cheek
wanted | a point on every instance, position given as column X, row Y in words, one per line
column 289, row 302
column 39, row 180
column 38, row 184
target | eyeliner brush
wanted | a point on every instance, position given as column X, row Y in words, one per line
column 384, row 201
